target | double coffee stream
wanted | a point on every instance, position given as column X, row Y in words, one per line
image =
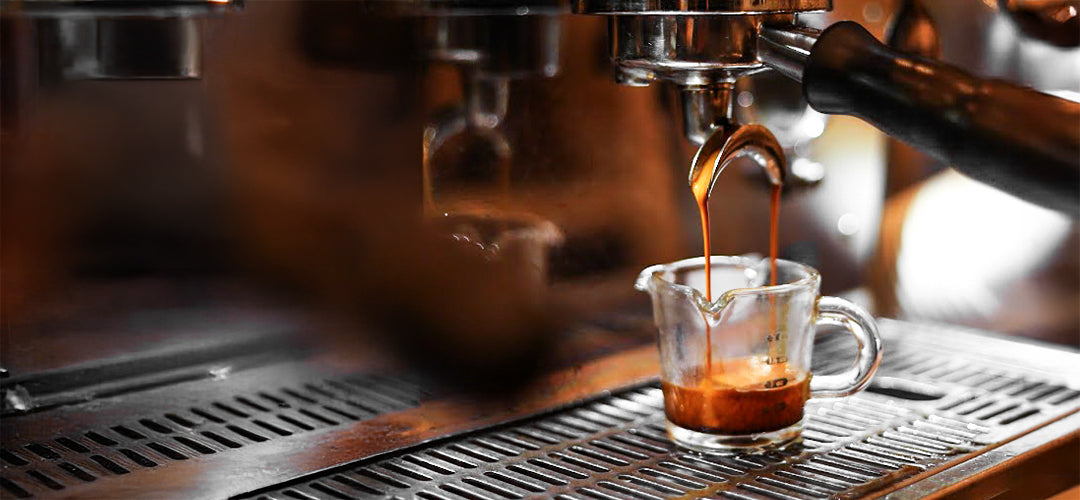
column 740, row 395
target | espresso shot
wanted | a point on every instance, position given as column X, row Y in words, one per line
column 743, row 396
column 735, row 372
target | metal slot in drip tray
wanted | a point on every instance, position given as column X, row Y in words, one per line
column 939, row 401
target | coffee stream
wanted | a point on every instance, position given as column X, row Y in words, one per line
column 775, row 357
column 754, row 394
column 700, row 188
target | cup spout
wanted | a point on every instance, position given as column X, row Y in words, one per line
column 645, row 278
column 679, row 285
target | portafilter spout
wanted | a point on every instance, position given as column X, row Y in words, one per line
column 709, row 121
column 731, row 141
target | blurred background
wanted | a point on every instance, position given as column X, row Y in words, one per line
column 430, row 190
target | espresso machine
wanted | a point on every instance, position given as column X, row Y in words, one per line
column 386, row 249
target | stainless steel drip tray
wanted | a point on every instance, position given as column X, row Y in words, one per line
column 220, row 436
column 133, row 444
column 949, row 405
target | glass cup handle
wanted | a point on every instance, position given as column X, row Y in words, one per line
column 835, row 311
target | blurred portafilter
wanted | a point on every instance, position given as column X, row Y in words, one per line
column 108, row 40
column 452, row 282
column 467, row 156
column 479, row 316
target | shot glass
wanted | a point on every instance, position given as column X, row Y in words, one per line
column 735, row 372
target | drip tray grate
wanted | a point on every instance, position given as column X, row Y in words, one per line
column 617, row 448
column 933, row 405
column 173, row 425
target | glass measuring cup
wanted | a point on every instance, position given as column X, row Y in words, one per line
column 748, row 393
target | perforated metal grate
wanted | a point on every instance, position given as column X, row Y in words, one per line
column 231, row 421
column 930, row 408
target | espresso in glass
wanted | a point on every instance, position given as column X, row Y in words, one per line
column 735, row 371
column 743, row 396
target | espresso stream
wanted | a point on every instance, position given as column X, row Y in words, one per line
column 745, row 395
